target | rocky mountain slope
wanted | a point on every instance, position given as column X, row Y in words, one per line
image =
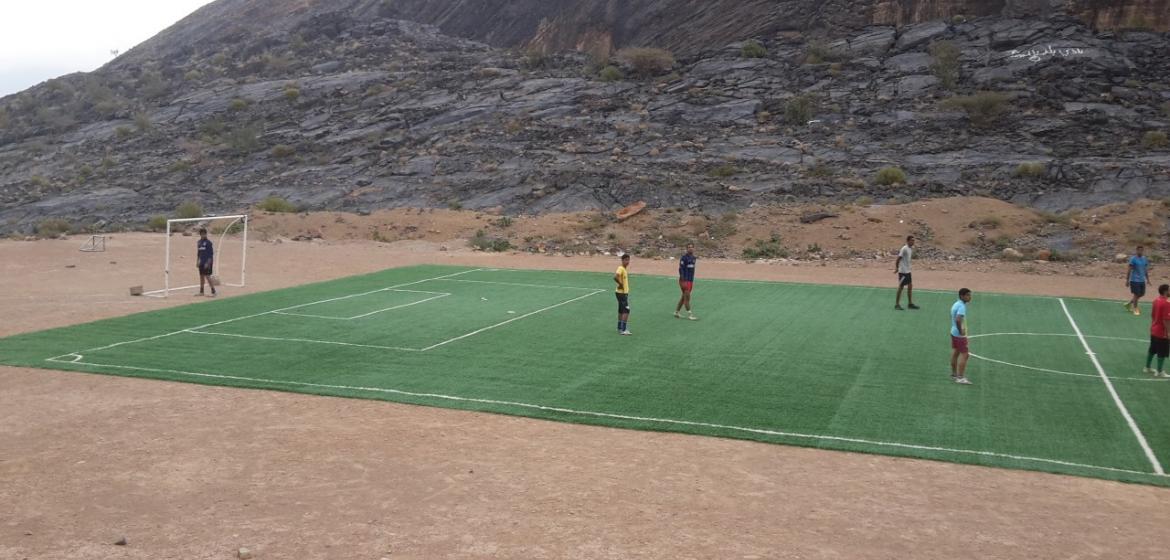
column 341, row 106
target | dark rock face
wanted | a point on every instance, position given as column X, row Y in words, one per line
column 337, row 105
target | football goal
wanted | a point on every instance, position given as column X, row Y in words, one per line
column 229, row 236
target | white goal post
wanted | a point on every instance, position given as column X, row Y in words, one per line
column 232, row 222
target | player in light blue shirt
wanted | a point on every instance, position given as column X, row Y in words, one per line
column 1136, row 279
column 959, row 350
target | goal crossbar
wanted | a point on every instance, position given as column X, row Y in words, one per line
column 234, row 219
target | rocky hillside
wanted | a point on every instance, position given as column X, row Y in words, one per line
column 342, row 106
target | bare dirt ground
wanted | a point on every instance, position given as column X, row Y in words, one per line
column 192, row 472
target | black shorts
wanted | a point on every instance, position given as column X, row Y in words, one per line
column 205, row 269
column 904, row 279
column 623, row 303
column 1137, row 288
column 1160, row 346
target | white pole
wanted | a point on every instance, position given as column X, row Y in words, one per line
column 244, row 264
column 167, row 266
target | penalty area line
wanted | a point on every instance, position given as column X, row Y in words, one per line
column 626, row 417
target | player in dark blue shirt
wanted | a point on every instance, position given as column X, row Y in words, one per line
column 686, row 281
column 205, row 260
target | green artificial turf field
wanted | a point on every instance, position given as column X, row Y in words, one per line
column 821, row 366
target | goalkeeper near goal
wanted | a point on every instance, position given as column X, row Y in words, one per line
column 205, row 260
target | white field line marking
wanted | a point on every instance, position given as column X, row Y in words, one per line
column 1055, row 334
column 437, row 295
column 665, row 421
column 1056, row 371
column 1137, row 432
column 307, row 340
column 520, row 285
column 254, row 315
column 500, row 324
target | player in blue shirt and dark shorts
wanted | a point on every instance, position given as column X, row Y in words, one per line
column 1137, row 277
column 205, row 260
column 686, row 281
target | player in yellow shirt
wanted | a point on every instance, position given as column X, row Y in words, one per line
column 622, row 277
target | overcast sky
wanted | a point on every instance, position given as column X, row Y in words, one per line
column 43, row 39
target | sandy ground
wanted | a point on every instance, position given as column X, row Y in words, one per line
column 191, row 472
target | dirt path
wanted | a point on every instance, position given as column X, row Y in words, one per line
column 190, row 472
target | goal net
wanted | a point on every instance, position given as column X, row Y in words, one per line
column 229, row 237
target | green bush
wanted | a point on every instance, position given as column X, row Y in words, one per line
column 238, row 104
column 610, row 73
column 945, row 64
column 39, row 181
column 504, row 222
column 769, row 249
column 142, row 121
column 181, row 166
column 283, row 151
column 725, row 227
column 123, row 132
column 292, row 93
column 753, row 49
column 157, row 223
column 983, row 108
column 277, row 205
column 244, row 140
column 1154, row 139
column 53, row 227
column 647, row 61
column 818, row 52
column 723, row 171
column 800, row 109
column 890, row 175
column 1031, row 170
column 188, row 210
column 482, row 242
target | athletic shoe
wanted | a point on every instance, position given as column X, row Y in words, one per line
column 1137, row 311
column 1150, row 371
column 200, row 294
column 1162, row 374
column 1128, row 306
column 963, row 381
column 912, row 306
column 692, row 318
column 626, row 333
column 677, row 316
column 898, row 307
column 213, row 294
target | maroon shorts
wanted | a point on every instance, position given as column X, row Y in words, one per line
column 959, row 343
column 686, row 286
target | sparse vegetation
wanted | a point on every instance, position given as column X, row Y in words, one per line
column 482, row 242
column 723, row 171
column 610, row 73
column 724, row 227
column 181, row 166
column 292, row 93
column 945, row 62
column 987, row 222
column 983, row 108
column 766, row 249
column 800, row 109
column 188, row 210
column 244, row 140
column 890, row 175
column 818, row 52
column 142, row 121
column 504, row 222
column 281, row 151
column 1054, row 218
column 123, row 132
column 277, row 205
column 534, row 58
column 1031, row 170
column 53, row 227
column 753, row 49
column 238, row 104
column 647, row 61
column 1154, row 139
column 39, row 181
column 157, row 223
column 454, row 205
